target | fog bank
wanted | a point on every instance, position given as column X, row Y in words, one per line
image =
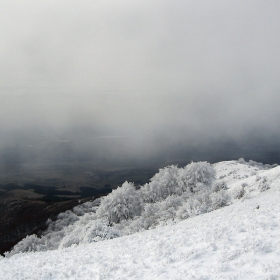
column 136, row 79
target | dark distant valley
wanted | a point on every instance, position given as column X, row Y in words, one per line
column 26, row 206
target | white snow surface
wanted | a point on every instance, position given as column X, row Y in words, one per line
column 240, row 241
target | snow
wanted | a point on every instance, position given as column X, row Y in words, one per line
column 240, row 241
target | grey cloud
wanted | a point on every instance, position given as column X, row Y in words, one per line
column 151, row 71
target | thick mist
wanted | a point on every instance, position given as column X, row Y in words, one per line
column 142, row 82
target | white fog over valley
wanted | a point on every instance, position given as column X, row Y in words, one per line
column 155, row 73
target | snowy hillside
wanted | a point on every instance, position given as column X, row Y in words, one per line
column 238, row 240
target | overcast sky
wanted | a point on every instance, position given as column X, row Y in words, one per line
column 148, row 68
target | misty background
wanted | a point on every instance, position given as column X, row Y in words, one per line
column 123, row 84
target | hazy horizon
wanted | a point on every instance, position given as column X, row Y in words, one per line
column 139, row 79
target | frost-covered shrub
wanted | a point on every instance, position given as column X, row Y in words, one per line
column 172, row 180
column 63, row 220
column 87, row 207
column 219, row 199
column 153, row 214
column 86, row 230
column 242, row 160
column 218, row 186
column 131, row 226
column 197, row 176
column 238, row 192
column 263, row 184
column 87, row 218
column 152, row 192
column 203, row 203
column 121, row 204
column 172, row 194
column 160, row 211
column 59, row 230
column 173, row 188
column 93, row 231
column 28, row 244
column 163, row 184
column 196, row 205
column 79, row 211
column 168, row 207
column 183, row 213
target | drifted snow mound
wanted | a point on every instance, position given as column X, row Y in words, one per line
column 173, row 194
column 241, row 241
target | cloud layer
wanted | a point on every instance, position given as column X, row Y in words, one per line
column 153, row 72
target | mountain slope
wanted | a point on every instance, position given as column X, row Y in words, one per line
column 241, row 241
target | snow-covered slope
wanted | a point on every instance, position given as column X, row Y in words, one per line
column 234, row 171
column 240, row 241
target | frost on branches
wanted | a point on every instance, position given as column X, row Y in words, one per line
column 171, row 195
column 121, row 204
column 171, row 180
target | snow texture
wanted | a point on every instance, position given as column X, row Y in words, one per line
column 240, row 241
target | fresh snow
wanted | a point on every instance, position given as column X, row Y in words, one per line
column 240, row 241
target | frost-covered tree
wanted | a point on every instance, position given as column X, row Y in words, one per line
column 121, row 204
column 173, row 194
column 162, row 211
column 172, row 180
column 92, row 231
column 28, row 244
column 63, row 220
column 163, row 184
column 196, row 176
column 204, row 202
